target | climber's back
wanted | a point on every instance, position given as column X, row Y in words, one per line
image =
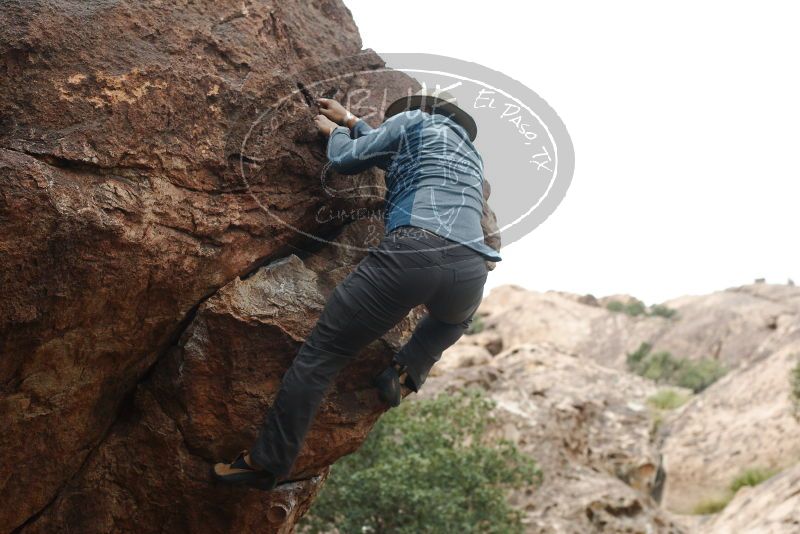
column 434, row 174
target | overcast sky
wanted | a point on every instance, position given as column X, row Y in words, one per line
column 685, row 118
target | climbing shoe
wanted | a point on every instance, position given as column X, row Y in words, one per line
column 240, row 473
column 391, row 384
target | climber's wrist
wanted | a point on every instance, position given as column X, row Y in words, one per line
column 350, row 120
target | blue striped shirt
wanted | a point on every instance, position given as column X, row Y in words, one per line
column 434, row 174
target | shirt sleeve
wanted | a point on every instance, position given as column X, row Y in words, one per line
column 374, row 147
column 361, row 128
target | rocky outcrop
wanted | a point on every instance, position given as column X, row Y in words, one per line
column 518, row 316
column 734, row 326
column 728, row 326
column 204, row 401
column 745, row 421
column 140, row 173
column 772, row 507
column 159, row 184
column 565, row 397
column 587, row 426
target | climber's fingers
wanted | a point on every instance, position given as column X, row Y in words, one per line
column 327, row 112
column 324, row 124
column 331, row 109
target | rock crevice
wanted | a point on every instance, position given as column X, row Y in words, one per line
column 136, row 184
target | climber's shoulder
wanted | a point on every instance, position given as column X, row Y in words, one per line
column 407, row 118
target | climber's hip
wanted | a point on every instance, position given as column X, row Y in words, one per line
column 407, row 269
column 428, row 247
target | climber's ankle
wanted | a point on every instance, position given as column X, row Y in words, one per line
column 249, row 461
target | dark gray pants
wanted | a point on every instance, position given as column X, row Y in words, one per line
column 408, row 268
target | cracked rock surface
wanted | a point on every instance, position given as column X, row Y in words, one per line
column 204, row 400
column 134, row 348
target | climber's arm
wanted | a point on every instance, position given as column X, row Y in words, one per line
column 360, row 127
column 374, row 147
column 337, row 113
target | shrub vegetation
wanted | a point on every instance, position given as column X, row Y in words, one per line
column 664, row 368
column 712, row 506
column 668, row 399
column 477, row 325
column 636, row 307
column 749, row 477
column 426, row 466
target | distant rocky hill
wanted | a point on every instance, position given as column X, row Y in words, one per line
column 615, row 457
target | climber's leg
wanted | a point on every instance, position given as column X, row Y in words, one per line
column 451, row 310
column 370, row 301
column 304, row 385
column 430, row 338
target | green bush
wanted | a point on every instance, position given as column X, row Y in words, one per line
column 659, row 310
column 635, row 358
column 636, row 307
column 426, row 467
column 663, row 367
column 711, row 506
column 697, row 375
column 633, row 307
column 751, row 477
column 668, row 399
column 615, row 306
column 477, row 325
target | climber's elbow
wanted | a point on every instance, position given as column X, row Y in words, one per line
column 340, row 155
column 352, row 156
column 346, row 165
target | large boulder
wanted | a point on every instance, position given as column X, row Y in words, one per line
column 127, row 130
column 205, row 400
column 744, row 421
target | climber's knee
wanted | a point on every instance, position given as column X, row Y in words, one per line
column 315, row 367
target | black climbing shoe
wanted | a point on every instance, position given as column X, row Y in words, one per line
column 390, row 388
column 240, row 473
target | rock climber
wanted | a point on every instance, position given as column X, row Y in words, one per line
column 432, row 253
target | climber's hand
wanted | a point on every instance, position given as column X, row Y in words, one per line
column 324, row 125
column 332, row 109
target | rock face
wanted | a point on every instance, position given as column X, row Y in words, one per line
column 205, row 399
column 733, row 326
column 728, row 326
column 159, row 175
column 769, row 508
column 744, row 421
column 587, row 426
column 132, row 353
column 555, row 364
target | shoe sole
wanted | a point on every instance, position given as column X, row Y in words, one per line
column 251, row 480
